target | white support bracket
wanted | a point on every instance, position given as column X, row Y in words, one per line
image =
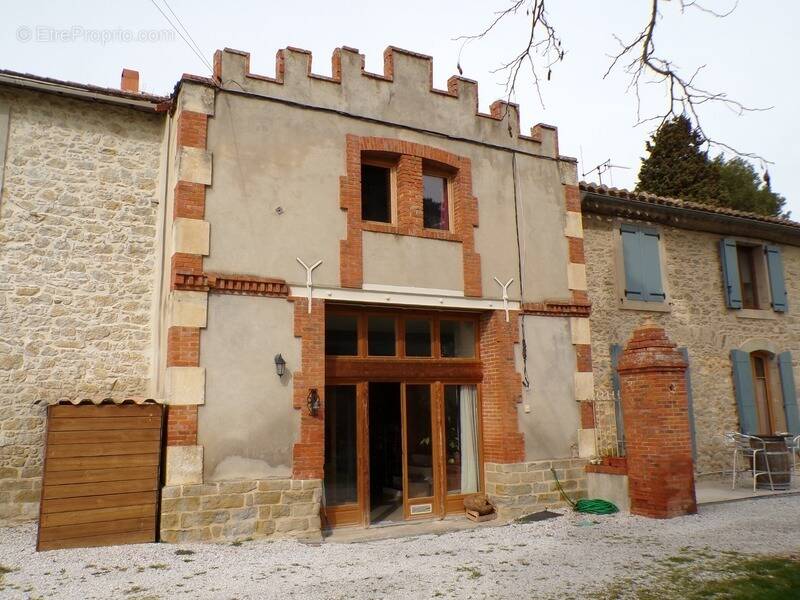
column 309, row 282
column 505, row 293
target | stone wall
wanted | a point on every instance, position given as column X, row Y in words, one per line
column 521, row 488
column 698, row 319
column 237, row 510
column 77, row 238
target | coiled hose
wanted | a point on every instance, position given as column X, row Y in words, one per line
column 583, row 505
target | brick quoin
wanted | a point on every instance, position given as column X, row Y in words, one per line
column 183, row 343
column 583, row 357
column 587, row 415
column 657, row 431
column 410, row 158
column 308, row 454
column 183, row 347
column 501, row 389
column 572, row 197
column 575, row 246
column 181, row 425
column 192, row 127
column 190, row 200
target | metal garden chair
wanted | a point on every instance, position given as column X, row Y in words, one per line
column 748, row 448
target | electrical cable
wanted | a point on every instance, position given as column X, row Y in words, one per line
column 525, row 380
column 192, row 48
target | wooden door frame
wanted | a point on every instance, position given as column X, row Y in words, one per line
column 435, row 371
column 766, row 361
column 358, row 513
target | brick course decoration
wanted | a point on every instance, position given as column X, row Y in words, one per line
column 309, row 451
column 224, row 283
column 409, row 206
column 656, row 417
column 501, row 390
column 557, row 308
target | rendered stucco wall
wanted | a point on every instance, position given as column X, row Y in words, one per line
column 698, row 320
column 271, row 158
column 247, row 426
column 551, row 426
column 77, row 252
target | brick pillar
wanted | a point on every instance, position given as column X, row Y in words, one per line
column 657, row 433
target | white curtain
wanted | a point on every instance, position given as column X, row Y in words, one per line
column 469, row 438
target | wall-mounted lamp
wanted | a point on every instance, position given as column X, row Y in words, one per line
column 313, row 402
column 280, row 365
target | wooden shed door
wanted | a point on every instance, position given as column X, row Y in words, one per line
column 101, row 475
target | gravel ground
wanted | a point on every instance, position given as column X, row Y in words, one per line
column 569, row 556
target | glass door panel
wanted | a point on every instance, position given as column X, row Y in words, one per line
column 419, row 442
column 461, row 439
column 341, row 445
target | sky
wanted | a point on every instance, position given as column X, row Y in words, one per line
column 750, row 55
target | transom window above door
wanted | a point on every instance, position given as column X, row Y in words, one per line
column 367, row 333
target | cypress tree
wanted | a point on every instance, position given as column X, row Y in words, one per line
column 677, row 166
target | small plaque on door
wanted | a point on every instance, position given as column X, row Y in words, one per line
column 421, row 509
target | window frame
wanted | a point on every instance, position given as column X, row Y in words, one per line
column 386, row 162
column 625, row 303
column 448, row 176
column 761, row 274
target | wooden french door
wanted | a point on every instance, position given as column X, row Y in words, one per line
column 432, row 469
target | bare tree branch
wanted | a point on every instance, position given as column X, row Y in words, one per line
column 545, row 47
column 637, row 58
column 684, row 96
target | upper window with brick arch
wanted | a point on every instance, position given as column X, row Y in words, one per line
column 404, row 188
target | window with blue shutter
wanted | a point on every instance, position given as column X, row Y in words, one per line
column 730, row 273
column 777, row 284
column 745, row 392
column 642, row 263
column 789, row 392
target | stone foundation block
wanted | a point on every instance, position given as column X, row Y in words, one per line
column 238, row 510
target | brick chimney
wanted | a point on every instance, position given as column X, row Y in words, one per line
column 130, row 81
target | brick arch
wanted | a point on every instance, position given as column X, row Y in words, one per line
column 409, row 220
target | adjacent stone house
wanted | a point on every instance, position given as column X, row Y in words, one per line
column 723, row 284
column 359, row 297
column 80, row 175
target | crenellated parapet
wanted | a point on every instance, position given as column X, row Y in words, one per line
column 403, row 95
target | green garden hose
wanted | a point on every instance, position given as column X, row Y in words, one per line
column 593, row 507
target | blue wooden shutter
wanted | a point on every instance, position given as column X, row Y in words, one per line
column 685, row 353
column 730, row 272
column 789, row 392
column 632, row 256
column 651, row 265
column 777, row 285
column 745, row 393
column 616, row 352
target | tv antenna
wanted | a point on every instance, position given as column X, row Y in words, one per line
column 604, row 167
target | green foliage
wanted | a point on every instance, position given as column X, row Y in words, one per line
column 677, row 167
column 728, row 578
column 742, row 188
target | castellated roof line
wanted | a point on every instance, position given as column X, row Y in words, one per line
column 404, row 89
